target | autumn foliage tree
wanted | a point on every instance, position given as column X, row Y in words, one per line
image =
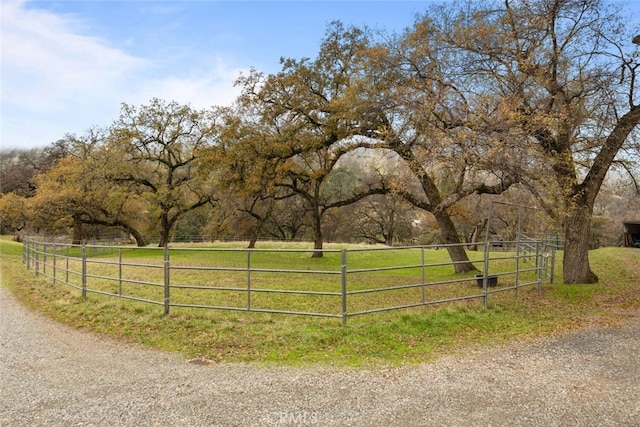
column 14, row 213
column 153, row 150
column 424, row 118
column 309, row 124
column 240, row 167
column 473, row 99
column 562, row 75
column 75, row 194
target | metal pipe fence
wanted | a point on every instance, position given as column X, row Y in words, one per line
column 343, row 283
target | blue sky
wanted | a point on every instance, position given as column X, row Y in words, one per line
column 68, row 65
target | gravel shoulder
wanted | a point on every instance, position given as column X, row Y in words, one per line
column 54, row 375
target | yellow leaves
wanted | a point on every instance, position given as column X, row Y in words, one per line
column 13, row 212
column 461, row 212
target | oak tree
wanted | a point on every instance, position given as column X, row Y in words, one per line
column 423, row 115
column 562, row 75
column 75, row 194
column 153, row 148
column 309, row 124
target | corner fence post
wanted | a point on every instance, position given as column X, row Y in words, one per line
column 539, row 265
column 167, row 282
column 343, row 271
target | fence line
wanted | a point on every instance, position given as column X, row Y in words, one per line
column 343, row 283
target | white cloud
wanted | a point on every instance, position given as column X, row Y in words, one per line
column 47, row 63
column 57, row 78
column 200, row 88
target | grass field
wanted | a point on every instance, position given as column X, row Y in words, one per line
column 389, row 338
column 276, row 279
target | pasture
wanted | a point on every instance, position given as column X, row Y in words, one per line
column 400, row 336
column 345, row 282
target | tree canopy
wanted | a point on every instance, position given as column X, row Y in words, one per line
column 534, row 99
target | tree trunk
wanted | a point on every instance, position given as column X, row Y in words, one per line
column 254, row 239
column 578, row 223
column 317, row 235
column 255, row 231
column 449, row 236
column 140, row 242
column 477, row 231
column 77, row 232
column 164, row 230
column 575, row 262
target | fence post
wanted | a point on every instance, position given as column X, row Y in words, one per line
column 27, row 247
column 423, row 273
column 343, row 271
column 120, row 271
column 539, row 265
column 37, row 261
column 44, row 259
column 84, row 271
column 167, row 281
column 517, row 275
column 66, row 265
column 54, row 261
column 485, row 275
column 248, row 279
column 553, row 261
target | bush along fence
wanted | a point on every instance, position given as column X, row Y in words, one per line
column 342, row 283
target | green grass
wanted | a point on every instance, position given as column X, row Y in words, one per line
column 388, row 338
column 218, row 276
column 9, row 248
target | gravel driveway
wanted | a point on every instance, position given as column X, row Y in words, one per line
column 54, row 375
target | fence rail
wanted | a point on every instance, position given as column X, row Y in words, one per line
column 341, row 284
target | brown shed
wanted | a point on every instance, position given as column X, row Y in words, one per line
column 631, row 234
